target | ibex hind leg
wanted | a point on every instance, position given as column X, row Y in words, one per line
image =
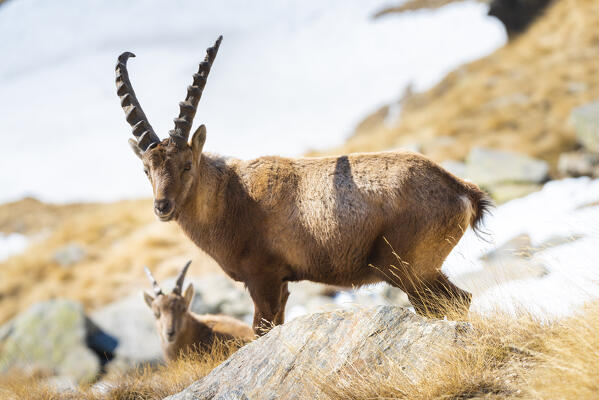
column 428, row 289
column 439, row 297
column 280, row 317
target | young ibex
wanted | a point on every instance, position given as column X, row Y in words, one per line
column 181, row 330
column 349, row 220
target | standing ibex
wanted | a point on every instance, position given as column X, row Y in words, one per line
column 349, row 220
column 181, row 330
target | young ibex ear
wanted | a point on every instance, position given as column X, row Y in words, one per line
column 148, row 298
column 189, row 292
column 197, row 142
column 135, row 148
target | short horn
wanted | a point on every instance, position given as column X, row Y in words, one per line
column 188, row 108
column 180, row 278
column 142, row 130
column 157, row 290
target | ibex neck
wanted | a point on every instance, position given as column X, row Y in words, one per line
column 204, row 208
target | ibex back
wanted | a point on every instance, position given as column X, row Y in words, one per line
column 348, row 221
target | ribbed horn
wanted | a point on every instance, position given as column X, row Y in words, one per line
column 157, row 290
column 142, row 130
column 188, row 108
column 180, row 278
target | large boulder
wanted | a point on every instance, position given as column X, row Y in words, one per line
column 280, row 364
column 488, row 167
column 218, row 294
column 517, row 15
column 586, row 122
column 54, row 336
column 131, row 323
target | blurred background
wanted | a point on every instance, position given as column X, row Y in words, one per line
column 501, row 92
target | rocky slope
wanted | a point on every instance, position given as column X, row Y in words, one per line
column 518, row 98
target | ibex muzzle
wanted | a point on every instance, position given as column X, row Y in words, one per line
column 346, row 221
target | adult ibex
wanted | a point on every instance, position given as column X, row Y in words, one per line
column 349, row 220
column 181, row 330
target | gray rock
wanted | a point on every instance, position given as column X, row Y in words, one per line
column 503, row 192
column 457, row 168
column 218, row 294
column 69, row 255
column 279, row 365
column 586, row 122
column 488, row 167
column 132, row 324
column 51, row 336
column 578, row 163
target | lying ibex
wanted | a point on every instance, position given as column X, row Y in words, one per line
column 181, row 330
column 349, row 220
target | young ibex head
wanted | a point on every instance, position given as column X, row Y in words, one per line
column 170, row 309
column 171, row 164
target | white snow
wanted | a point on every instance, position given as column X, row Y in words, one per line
column 563, row 209
column 290, row 75
column 11, row 244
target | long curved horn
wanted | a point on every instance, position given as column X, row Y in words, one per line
column 157, row 290
column 142, row 130
column 187, row 108
column 180, row 278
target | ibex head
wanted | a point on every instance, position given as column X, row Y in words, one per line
column 169, row 309
column 170, row 164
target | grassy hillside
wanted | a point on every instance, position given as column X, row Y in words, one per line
column 116, row 241
column 518, row 98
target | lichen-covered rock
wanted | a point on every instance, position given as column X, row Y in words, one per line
column 586, row 122
column 53, row 336
column 284, row 363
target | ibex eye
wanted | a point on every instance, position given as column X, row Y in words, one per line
column 187, row 167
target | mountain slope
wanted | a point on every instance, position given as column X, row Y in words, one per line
column 517, row 98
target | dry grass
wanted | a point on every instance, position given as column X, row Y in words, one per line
column 145, row 383
column 502, row 357
column 518, row 98
column 414, row 5
column 118, row 239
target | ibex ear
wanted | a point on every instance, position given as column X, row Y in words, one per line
column 189, row 292
column 135, row 148
column 148, row 298
column 197, row 142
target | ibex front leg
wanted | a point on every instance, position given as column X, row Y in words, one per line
column 267, row 297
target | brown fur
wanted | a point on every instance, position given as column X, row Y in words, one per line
column 335, row 220
column 191, row 331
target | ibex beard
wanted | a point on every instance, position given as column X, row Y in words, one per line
column 346, row 221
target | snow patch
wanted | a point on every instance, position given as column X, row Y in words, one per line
column 12, row 244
